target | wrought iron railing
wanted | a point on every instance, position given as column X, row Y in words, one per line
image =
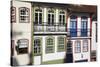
column 54, row 27
column 58, row 27
column 79, row 32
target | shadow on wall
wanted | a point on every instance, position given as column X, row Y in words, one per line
column 69, row 54
column 14, row 62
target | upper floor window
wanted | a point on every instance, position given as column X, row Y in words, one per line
column 49, row 45
column 22, row 46
column 51, row 16
column 84, row 21
column 73, row 22
column 85, row 45
column 13, row 14
column 61, row 17
column 78, row 47
column 24, row 14
column 38, row 15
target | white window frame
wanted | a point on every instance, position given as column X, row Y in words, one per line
column 49, row 45
column 25, row 16
column 60, row 14
column 38, row 48
column 38, row 12
column 77, row 46
column 85, row 46
column 51, row 23
column 61, row 44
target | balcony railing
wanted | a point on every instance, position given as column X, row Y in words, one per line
column 79, row 32
column 45, row 27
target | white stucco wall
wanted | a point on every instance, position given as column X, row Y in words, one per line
column 24, row 29
column 94, row 44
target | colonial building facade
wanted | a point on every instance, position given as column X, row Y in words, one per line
column 48, row 33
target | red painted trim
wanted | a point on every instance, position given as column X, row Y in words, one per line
column 13, row 14
column 90, row 49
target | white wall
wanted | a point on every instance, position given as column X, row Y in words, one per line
column 24, row 29
column 94, row 44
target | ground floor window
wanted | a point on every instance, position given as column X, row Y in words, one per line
column 49, row 45
column 78, row 46
column 61, row 43
column 85, row 45
column 37, row 46
column 22, row 46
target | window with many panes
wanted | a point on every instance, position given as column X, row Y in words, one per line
column 22, row 46
column 77, row 46
column 85, row 45
column 61, row 44
column 73, row 22
column 73, row 26
column 84, row 21
column 24, row 15
column 51, row 16
column 61, row 17
column 37, row 46
column 13, row 14
column 49, row 45
column 38, row 15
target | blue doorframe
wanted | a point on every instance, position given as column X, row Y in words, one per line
column 84, row 25
column 73, row 26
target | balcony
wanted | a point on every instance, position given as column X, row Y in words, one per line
column 79, row 32
column 44, row 27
